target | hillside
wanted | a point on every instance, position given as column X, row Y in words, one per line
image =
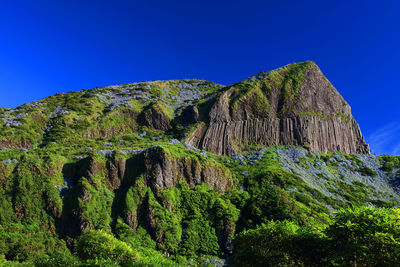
column 176, row 172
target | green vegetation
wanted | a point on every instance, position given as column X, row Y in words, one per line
column 356, row 237
column 255, row 93
column 390, row 163
column 83, row 182
column 295, row 78
column 346, row 119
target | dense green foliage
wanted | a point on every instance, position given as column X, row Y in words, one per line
column 390, row 162
column 356, row 237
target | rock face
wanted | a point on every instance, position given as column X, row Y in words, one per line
column 162, row 170
column 293, row 105
column 155, row 118
column 190, row 115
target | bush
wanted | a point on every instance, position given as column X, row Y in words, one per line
column 365, row 237
column 278, row 244
column 29, row 243
column 99, row 245
column 389, row 163
column 367, row 171
column 358, row 237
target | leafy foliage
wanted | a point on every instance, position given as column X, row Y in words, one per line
column 365, row 236
column 362, row 236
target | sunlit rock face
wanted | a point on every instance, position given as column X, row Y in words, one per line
column 293, row 105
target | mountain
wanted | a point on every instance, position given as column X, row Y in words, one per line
column 172, row 172
column 293, row 105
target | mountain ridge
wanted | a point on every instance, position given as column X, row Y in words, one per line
column 270, row 94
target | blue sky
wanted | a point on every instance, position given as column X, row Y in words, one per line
column 59, row 46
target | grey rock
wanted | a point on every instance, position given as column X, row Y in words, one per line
column 256, row 156
column 148, row 149
column 258, row 76
column 129, row 152
column 107, row 144
column 173, row 141
column 67, row 181
column 61, row 188
column 9, row 161
column 88, row 149
column 142, row 135
column 239, row 157
column 13, row 121
column 156, row 138
column 190, row 147
column 58, row 111
column 332, row 160
column 215, row 262
column 106, row 152
column 185, row 85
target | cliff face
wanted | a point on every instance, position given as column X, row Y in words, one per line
column 155, row 118
column 163, row 170
column 293, row 105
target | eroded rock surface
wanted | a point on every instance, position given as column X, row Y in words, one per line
column 294, row 105
column 162, row 170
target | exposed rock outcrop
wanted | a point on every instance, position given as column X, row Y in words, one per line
column 155, row 118
column 294, row 105
column 163, row 170
column 190, row 115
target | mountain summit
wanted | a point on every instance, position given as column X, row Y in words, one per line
column 293, row 105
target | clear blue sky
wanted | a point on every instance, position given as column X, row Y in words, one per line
column 59, row 46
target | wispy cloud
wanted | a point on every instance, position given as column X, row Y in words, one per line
column 385, row 140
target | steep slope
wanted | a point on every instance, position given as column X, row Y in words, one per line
column 293, row 105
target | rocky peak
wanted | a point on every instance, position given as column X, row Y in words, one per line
column 293, row 105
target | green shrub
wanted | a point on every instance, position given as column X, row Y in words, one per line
column 278, row 244
column 99, row 245
column 366, row 171
column 365, row 237
column 389, row 163
column 29, row 243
